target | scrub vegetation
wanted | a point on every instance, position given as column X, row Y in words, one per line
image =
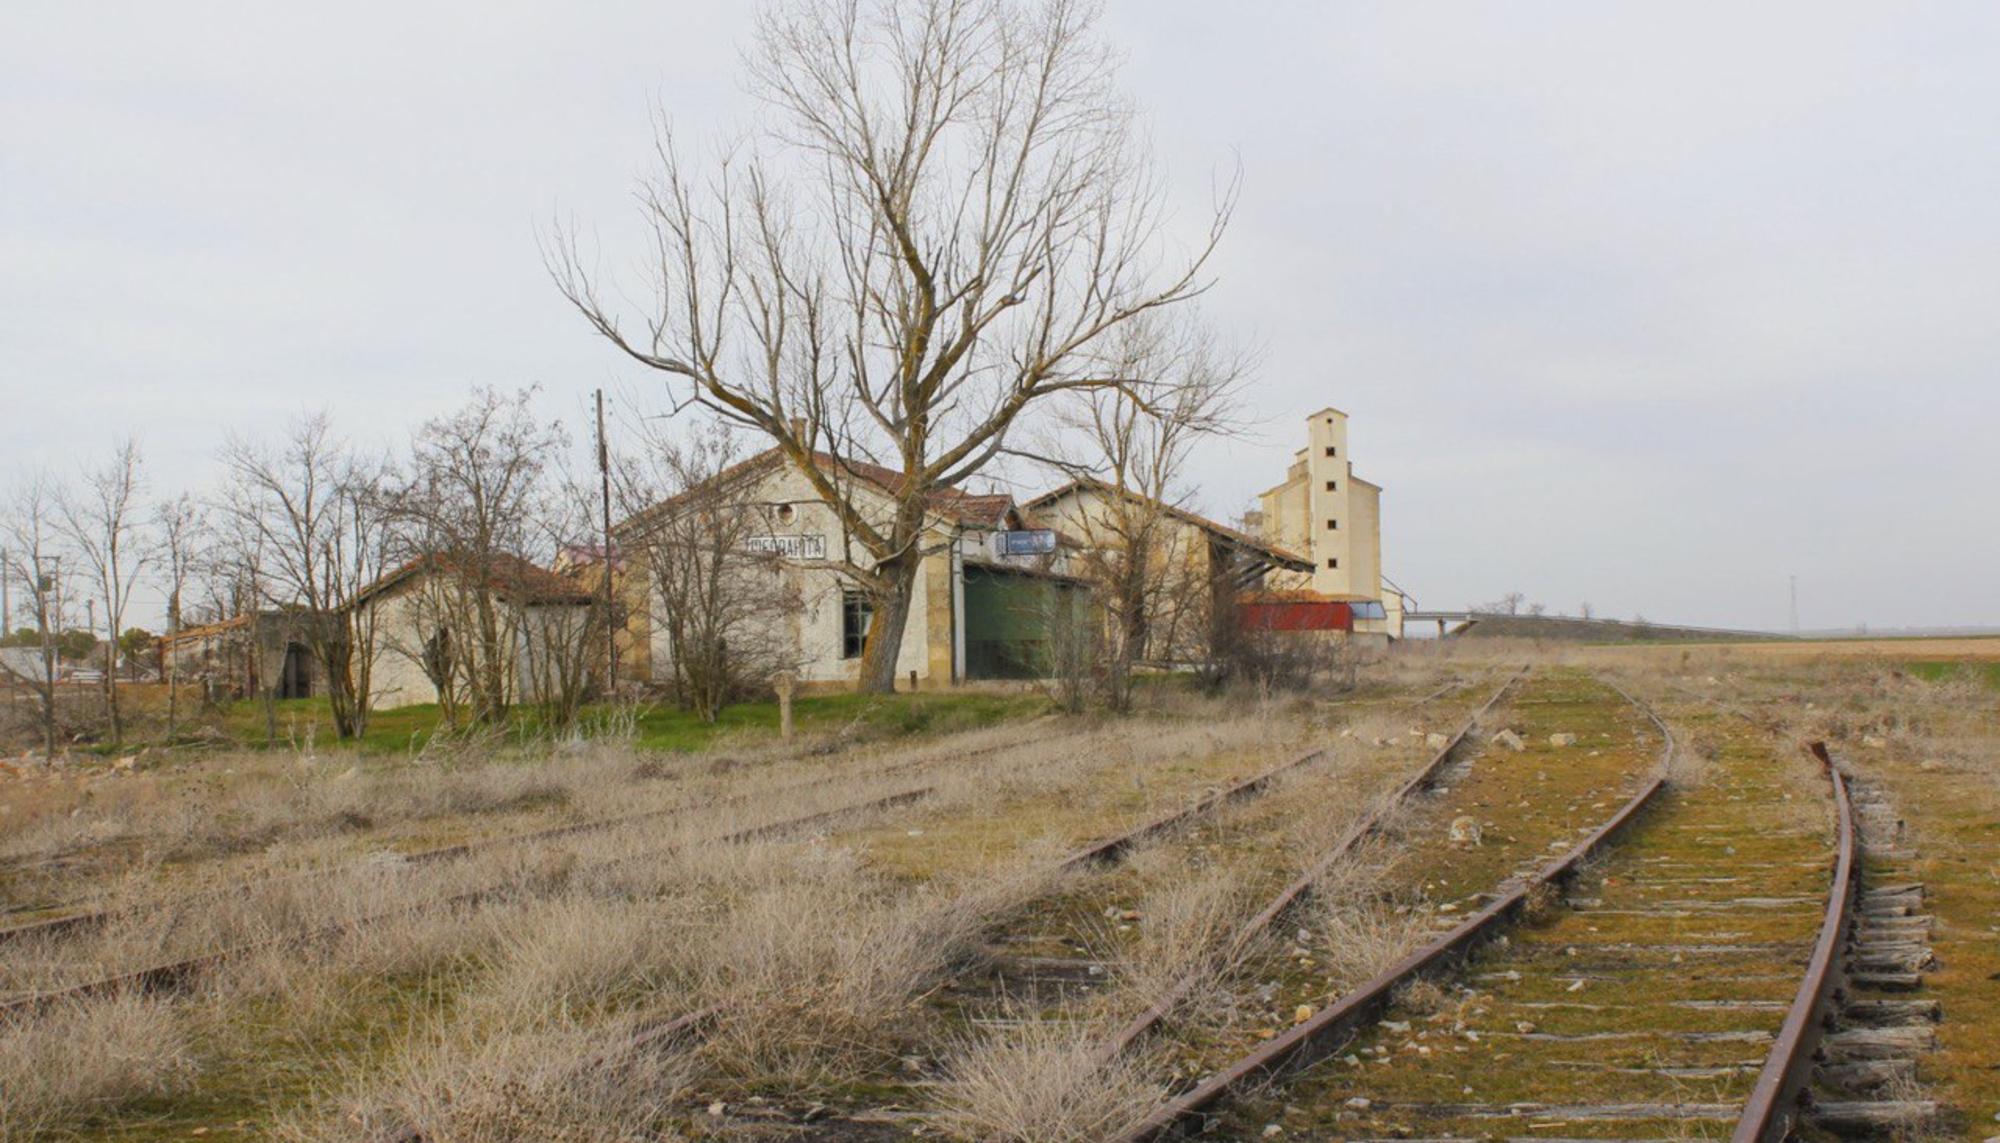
column 872, row 935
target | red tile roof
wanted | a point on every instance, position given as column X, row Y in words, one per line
column 510, row 577
column 1240, row 538
column 980, row 510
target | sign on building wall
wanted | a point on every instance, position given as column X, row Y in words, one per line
column 1036, row 542
column 790, row 547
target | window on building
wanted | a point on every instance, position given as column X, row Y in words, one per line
column 855, row 614
column 1331, row 451
column 1333, row 525
column 1333, row 561
column 1329, row 486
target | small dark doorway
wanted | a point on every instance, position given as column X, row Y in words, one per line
column 1012, row 618
column 295, row 679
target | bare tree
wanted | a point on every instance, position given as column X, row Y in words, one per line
column 947, row 215
column 101, row 521
column 309, row 513
column 1148, row 575
column 34, row 559
column 182, row 526
column 727, row 611
column 477, row 500
column 560, row 641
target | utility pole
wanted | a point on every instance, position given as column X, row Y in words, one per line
column 45, row 585
column 604, row 486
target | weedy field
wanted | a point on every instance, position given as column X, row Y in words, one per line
column 1052, row 928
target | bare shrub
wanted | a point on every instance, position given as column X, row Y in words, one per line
column 1044, row 1083
column 1188, row 922
column 819, row 978
column 1355, row 940
column 555, row 1083
column 579, row 955
column 85, row 1057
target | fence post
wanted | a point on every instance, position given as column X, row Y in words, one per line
column 784, row 682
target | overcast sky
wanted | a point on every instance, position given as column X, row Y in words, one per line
column 1649, row 306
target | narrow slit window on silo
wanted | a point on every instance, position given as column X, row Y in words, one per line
column 1330, row 485
column 1333, row 561
column 1332, row 525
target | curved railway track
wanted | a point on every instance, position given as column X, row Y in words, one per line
column 1099, row 855
column 77, row 918
column 86, row 917
column 1320, row 1034
column 174, row 973
column 1777, row 1104
column 178, row 973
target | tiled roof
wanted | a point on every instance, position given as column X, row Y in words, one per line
column 979, row 510
column 1224, row 531
column 510, row 577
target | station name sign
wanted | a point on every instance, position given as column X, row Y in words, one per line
column 790, row 547
column 1034, row 542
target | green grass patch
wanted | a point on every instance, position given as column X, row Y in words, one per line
column 1939, row 671
column 405, row 730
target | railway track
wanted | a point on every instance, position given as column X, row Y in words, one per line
column 1323, row 1032
column 81, row 918
column 1093, row 858
column 174, row 968
column 78, row 917
column 1845, row 1061
column 176, row 974
column 1700, row 984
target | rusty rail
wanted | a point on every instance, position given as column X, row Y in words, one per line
column 1774, row 1101
column 1109, row 851
column 173, row 973
column 1325, row 1030
column 1300, row 889
column 93, row 918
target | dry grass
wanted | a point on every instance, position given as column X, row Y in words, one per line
column 1189, row 921
column 1356, row 939
column 86, row 1056
column 554, row 1082
column 487, row 997
column 1042, row 1082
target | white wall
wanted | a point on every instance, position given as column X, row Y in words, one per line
column 815, row 630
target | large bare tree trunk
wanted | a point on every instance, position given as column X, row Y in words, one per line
column 947, row 216
column 897, row 577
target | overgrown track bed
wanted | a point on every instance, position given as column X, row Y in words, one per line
column 665, row 788
column 1076, row 930
column 73, row 919
column 623, row 930
column 1149, row 929
column 164, row 943
column 1603, row 779
column 1645, row 1007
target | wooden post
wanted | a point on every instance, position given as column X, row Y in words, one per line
column 784, row 683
